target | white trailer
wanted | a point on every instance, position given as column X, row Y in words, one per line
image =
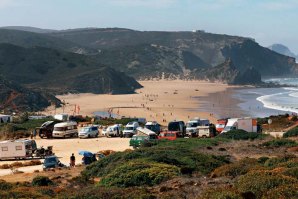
column 17, row 149
column 247, row 124
column 61, row 117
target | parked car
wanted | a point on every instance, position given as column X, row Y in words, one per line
column 143, row 140
column 52, row 162
column 130, row 129
column 46, row 129
column 113, row 131
column 88, row 132
column 168, row 135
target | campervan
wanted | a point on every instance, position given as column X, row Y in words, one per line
column 130, row 129
column 17, row 149
column 247, row 124
column 88, row 132
column 112, row 131
column 65, row 129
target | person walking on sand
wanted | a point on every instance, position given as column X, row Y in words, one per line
column 72, row 160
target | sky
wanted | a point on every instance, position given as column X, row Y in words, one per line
column 267, row 21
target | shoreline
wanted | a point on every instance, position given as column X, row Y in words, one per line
column 160, row 101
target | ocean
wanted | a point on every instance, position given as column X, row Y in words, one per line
column 255, row 102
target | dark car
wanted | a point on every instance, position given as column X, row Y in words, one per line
column 46, row 129
column 51, row 162
column 177, row 126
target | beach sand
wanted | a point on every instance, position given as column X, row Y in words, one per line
column 160, row 101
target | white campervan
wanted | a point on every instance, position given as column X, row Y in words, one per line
column 65, row 129
column 112, row 131
column 130, row 129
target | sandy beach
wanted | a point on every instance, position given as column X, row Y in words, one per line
column 160, row 101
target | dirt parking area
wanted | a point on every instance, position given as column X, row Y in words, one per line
column 63, row 148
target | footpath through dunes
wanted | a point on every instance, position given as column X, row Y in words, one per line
column 63, row 148
column 160, row 101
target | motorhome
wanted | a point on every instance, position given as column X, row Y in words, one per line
column 153, row 126
column 18, row 149
column 130, row 129
column 65, row 129
column 247, row 124
column 191, row 126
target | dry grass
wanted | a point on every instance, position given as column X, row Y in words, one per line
column 20, row 164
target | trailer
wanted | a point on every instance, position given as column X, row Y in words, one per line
column 17, row 149
column 247, row 124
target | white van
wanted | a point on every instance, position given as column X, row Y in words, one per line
column 130, row 129
column 65, row 129
column 112, row 131
column 88, row 132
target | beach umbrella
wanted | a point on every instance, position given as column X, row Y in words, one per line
column 86, row 153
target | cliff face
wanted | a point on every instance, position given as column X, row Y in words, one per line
column 177, row 54
column 14, row 97
column 60, row 72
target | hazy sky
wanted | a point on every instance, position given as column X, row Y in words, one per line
column 268, row 21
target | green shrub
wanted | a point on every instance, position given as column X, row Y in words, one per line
column 291, row 133
column 280, row 143
column 241, row 135
column 260, row 182
column 41, row 181
column 262, row 160
column 138, row 173
column 293, row 172
column 274, row 162
column 5, row 185
column 235, row 169
column 220, row 193
column 283, row 191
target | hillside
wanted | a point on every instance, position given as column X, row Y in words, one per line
column 33, row 39
column 14, row 97
column 142, row 50
column 60, row 71
column 282, row 49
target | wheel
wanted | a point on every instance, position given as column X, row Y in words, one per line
column 89, row 136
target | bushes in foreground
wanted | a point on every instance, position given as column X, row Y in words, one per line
column 41, row 181
column 241, row 135
column 280, row 143
column 139, row 173
column 171, row 161
column 291, row 133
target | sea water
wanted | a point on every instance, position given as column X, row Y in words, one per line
column 262, row 102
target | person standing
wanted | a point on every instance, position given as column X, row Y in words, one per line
column 72, row 160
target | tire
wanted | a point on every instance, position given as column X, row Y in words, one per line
column 89, row 136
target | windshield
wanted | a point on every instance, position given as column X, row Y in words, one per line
column 60, row 129
column 174, row 126
column 192, row 124
column 128, row 128
column 84, row 129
